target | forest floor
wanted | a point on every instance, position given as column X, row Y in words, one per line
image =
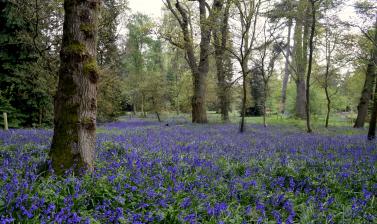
column 147, row 172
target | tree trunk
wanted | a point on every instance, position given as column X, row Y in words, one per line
column 373, row 119
column 264, row 105
column 300, row 99
column 300, row 58
column 243, row 107
column 328, row 107
column 199, row 113
column 5, row 117
column 310, row 63
column 220, row 36
column 286, row 69
column 40, row 117
column 73, row 143
column 366, row 95
column 142, row 106
column 199, row 68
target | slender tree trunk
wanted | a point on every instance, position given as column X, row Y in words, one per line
column 373, row 119
column 264, row 105
column 142, row 106
column 243, row 106
column 134, row 109
column 310, row 63
column 40, row 117
column 328, row 107
column 245, row 71
column 73, row 143
column 5, row 117
column 286, row 69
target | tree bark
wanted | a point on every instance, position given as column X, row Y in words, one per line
column 373, row 119
column 73, row 143
column 310, row 63
column 366, row 95
column 220, row 36
column 300, row 57
column 328, row 107
column 286, row 69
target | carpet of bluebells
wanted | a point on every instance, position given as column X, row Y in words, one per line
column 148, row 172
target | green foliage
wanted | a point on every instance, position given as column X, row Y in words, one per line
column 24, row 83
column 110, row 97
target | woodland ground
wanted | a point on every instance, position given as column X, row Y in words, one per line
column 147, row 172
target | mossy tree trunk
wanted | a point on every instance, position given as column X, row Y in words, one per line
column 73, row 143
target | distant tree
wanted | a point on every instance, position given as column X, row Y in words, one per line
column 268, row 53
column 74, row 138
column 284, row 9
column 138, row 42
column 248, row 16
column 110, row 83
column 329, row 79
column 199, row 65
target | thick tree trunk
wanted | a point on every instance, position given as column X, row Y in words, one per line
column 223, row 94
column 373, row 119
column 300, row 57
column 300, row 98
column 286, row 69
column 366, row 95
column 199, row 113
column 73, row 143
column 220, row 36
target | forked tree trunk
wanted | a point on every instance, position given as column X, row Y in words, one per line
column 199, row 68
column 73, row 143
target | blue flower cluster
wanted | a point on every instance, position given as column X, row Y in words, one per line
column 147, row 172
